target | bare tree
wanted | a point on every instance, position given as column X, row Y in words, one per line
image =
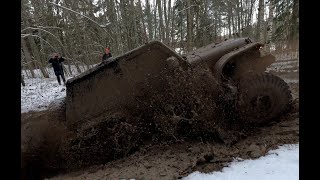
column 28, row 57
column 161, row 29
column 80, row 30
column 149, row 20
column 143, row 26
column 189, row 26
column 294, row 30
column 270, row 23
column 260, row 24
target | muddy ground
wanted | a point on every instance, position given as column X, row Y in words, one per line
column 165, row 160
column 178, row 159
column 155, row 145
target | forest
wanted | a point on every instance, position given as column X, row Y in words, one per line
column 80, row 30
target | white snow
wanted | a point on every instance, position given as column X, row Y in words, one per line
column 281, row 66
column 38, row 93
column 284, row 63
column 279, row 164
column 291, row 80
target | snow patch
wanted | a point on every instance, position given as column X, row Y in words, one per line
column 296, row 81
column 282, row 163
column 38, row 93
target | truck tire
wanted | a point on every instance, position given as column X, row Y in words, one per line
column 262, row 97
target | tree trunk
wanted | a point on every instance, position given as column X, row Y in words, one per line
column 41, row 63
column 172, row 28
column 111, row 12
column 270, row 23
column 161, row 29
column 205, row 24
column 78, row 68
column 250, row 13
column 166, row 14
column 22, row 81
column 149, row 20
column 27, row 56
column 134, row 24
column 239, row 18
column 229, row 18
column 144, row 38
column 294, row 27
column 233, row 21
column 155, row 19
column 260, row 23
column 37, row 57
column 242, row 16
column 189, row 26
column 215, row 22
column 127, row 32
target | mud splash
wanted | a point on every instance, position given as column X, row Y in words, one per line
column 171, row 106
column 175, row 108
column 178, row 159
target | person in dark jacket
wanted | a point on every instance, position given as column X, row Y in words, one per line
column 56, row 62
column 107, row 55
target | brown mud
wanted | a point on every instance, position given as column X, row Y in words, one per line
column 173, row 127
column 178, row 159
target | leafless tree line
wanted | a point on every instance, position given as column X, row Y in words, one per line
column 80, row 29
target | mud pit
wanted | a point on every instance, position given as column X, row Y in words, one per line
column 177, row 159
column 176, row 142
column 175, row 124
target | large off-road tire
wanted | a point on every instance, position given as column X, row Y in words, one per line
column 262, row 97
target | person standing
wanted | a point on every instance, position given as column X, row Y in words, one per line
column 107, row 55
column 56, row 62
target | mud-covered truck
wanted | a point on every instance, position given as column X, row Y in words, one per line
column 152, row 94
column 238, row 65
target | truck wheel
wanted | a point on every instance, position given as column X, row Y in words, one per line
column 262, row 97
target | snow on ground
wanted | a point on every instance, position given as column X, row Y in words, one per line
column 285, row 63
column 285, row 66
column 279, row 164
column 291, row 80
column 39, row 92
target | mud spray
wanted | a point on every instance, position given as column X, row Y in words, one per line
column 178, row 104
